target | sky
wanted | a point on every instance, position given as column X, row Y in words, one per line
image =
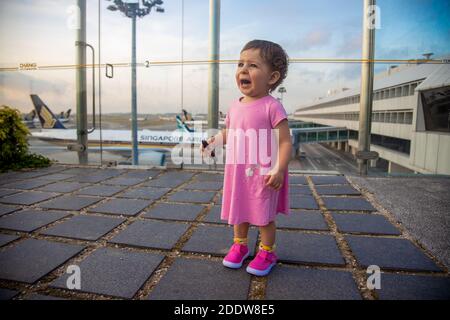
column 39, row 31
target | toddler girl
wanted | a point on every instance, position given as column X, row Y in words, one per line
column 257, row 155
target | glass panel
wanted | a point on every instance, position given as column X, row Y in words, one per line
column 322, row 136
column 332, row 135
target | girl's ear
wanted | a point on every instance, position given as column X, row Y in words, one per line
column 274, row 77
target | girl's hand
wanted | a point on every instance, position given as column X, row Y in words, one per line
column 203, row 150
column 274, row 180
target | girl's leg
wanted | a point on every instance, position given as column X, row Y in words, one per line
column 268, row 236
column 240, row 232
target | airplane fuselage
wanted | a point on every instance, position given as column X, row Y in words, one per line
column 151, row 137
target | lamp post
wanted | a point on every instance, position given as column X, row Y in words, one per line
column 282, row 90
column 133, row 9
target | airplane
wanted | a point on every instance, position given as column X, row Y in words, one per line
column 191, row 121
column 64, row 116
column 29, row 119
column 54, row 130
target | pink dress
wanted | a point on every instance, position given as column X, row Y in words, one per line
column 250, row 152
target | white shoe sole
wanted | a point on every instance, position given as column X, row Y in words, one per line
column 233, row 265
column 260, row 273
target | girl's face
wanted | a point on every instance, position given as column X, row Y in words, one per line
column 254, row 76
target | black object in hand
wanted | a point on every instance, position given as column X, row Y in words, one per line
column 205, row 145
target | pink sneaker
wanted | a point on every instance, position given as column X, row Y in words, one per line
column 236, row 256
column 263, row 263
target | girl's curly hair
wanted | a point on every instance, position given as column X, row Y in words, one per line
column 274, row 55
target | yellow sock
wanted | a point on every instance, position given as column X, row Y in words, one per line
column 266, row 248
column 240, row 240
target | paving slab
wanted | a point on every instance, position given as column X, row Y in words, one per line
column 101, row 190
column 177, row 175
column 192, row 196
column 337, row 190
column 107, row 271
column 387, row 253
column 303, row 202
column 81, row 171
column 174, row 211
column 126, row 207
column 7, row 294
column 31, row 259
column 53, row 168
column 347, row 204
column 297, row 180
column 216, row 240
column 299, row 247
column 57, row 176
column 207, row 280
column 28, row 197
column 317, row 180
column 70, row 202
column 364, row 223
column 7, row 192
column 148, row 193
column 292, row 283
column 163, row 183
column 63, row 187
column 213, row 215
column 26, row 184
column 294, row 189
column 204, row 185
column 421, row 203
column 119, row 181
column 30, row 220
column 5, row 209
column 413, row 287
column 209, row 177
column 84, row 227
column 302, row 219
column 151, row 234
column 88, row 171
column 95, row 176
column 141, row 174
column 7, row 238
column 28, row 174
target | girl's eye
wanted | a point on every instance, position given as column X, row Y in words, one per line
column 240, row 64
column 253, row 65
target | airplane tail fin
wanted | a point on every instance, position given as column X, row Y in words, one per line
column 182, row 126
column 46, row 116
column 67, row 114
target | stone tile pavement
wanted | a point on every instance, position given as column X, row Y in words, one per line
column 157, row 234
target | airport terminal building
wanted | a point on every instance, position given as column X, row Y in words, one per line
column 410, row 117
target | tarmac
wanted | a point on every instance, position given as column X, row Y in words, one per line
column 73, row 232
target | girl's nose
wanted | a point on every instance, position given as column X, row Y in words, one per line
column 244, row 69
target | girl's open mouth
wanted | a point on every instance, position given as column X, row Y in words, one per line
column 245, row 82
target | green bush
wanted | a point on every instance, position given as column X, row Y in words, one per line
column 14, row 145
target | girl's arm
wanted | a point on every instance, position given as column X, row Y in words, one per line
column 275, row 178
column 285, row 146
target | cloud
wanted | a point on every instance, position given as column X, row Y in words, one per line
column 316, row 38
column 16, row 87
column 350, row 46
